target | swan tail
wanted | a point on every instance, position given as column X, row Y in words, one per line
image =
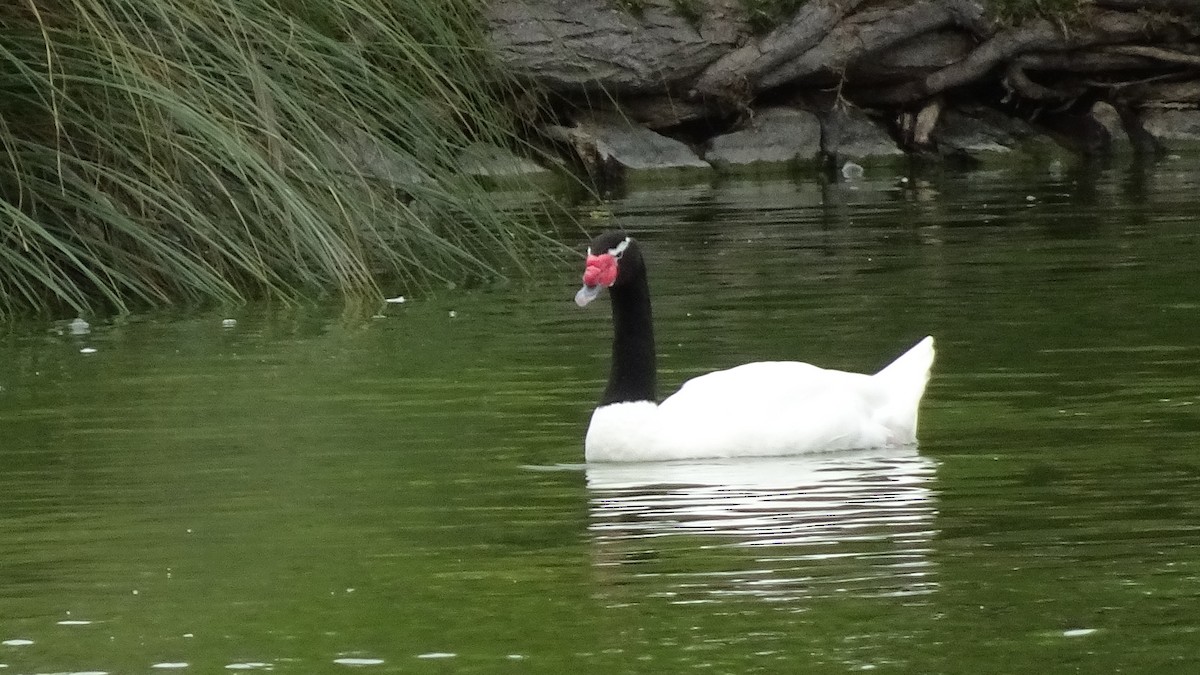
column 903, row 382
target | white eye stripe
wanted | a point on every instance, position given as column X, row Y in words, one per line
column 619, row 249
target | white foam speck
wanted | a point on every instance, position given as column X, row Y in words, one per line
column 437, row 655
column 453, row 314
column 516, row 657
column 87, row 350
column 228, row 323
column 79, row 327
column 398, row 300
column 170, row 665
column 249, row 665
column 16, row 642
column 74, row 622
column 1078, row 632
column 358, row 662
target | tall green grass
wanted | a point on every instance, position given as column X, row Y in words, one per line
column 178, row 151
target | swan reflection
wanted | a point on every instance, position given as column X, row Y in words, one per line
column 778, row 529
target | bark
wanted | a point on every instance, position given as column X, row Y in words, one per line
column 1149, row 93
column 743, row 69
column 1084, row 61
column 1176, row 92
column 1158, row 54
column 591, row 46
column 917, row 128
column 1191, row 7
column 1019, row 82
column 912, row 58
column 1039, row 35
column 594, row 48
column 870, row 32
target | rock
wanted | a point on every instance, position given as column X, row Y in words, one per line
column 983, row 131
column 608, row 139
column 1172, row 127
column 485, row 159
column 964, row 133
column 847, row 133
column 773, row 136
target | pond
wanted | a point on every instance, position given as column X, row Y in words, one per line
column 305, row 491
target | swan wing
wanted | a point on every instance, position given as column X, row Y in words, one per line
column 773, row 408
column 768, row 408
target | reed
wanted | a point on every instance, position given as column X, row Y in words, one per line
column 179, row 152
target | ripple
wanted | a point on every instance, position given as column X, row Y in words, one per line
column 358, row 662
column 777, row 529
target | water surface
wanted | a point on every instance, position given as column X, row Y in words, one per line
column 310, row 492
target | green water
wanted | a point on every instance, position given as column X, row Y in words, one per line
column 305, row 492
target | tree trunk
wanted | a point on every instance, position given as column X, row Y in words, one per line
column 603, row 48
column 667, row 63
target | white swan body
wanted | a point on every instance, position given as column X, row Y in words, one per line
column 759, row 409
column 766, row 409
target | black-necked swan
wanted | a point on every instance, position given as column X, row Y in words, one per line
column 757, row 409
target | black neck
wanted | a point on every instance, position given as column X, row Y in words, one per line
column 633, row 375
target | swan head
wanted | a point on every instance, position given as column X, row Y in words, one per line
column 612, row 259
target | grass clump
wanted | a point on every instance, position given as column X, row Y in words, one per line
column 692, row 11
column 763, row 16
column 180, row 151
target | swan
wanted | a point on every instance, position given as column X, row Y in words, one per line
column 769, row 408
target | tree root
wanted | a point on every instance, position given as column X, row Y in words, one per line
column 744, row 68
column 666, row 72
column 917, row 129
column 870, row 32
column 1157, row 54
column 1017, row 81
column 1039, row 35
